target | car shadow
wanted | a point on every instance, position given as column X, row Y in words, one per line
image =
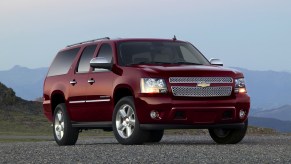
column 183, row 140
column 167, row 142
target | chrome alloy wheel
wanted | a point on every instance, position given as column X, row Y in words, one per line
column 59, row 125
column 125, row 121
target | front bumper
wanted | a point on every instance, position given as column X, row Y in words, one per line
column 191, row 113
column 194, row 126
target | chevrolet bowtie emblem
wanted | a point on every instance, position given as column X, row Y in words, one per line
column 203, row 84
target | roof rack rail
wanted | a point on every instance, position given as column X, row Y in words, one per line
column 89, row 41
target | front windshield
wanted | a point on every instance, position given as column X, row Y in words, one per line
column 159, row 52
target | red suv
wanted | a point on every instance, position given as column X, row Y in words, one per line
column 139, row 87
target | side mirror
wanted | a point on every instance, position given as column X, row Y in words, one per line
column 100, row 62
column 216, row 62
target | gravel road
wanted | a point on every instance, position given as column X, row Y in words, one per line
column 172, row 149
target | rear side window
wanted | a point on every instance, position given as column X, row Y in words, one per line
column 63, row 62
column 87, row 55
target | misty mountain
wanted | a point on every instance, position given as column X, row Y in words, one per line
column 281, row 113
column 268, row 89
column 278, row 125
column 27, row 83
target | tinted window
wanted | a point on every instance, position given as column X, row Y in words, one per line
column 106, row 52
column 84, row 62
column 187, row 55
column 63, row 62
column 158, row 53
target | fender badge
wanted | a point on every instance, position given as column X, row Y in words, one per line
column 203, row 84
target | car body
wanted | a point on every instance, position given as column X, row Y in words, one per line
column 165, row 83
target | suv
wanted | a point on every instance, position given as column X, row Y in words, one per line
column 139, row 87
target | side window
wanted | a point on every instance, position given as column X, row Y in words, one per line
column 84, row 62
column 63, row 62
column 188, row 55
column 106, row 52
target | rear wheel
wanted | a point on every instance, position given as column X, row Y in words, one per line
column 228, row 136
column 125, row 123
column 155, row 135
column 64, row 133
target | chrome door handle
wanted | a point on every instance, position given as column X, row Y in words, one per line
column 73, row 82
column 91, row 81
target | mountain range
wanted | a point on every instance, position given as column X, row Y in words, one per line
column 268, row 89
column 278, row 125
column 27, row 83
column 282, row 113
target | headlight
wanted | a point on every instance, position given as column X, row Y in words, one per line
column 153, row 85
column 240, row 86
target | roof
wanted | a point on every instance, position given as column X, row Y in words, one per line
column 122, row 40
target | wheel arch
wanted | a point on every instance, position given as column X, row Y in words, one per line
column 120, row 91
column 57, row 97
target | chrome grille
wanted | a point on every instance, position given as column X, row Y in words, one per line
column 202, row 92
column 200, row 79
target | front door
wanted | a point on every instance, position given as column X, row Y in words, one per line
column 99, row 98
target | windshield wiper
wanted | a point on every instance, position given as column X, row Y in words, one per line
column 161, row 63
column 137, row 63
column 188, row 63
column 148, row 63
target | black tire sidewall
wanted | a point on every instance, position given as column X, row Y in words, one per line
column 234, row 136
column 155, row 135
column 70, row 134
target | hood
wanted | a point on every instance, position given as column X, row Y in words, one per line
column 189, row 70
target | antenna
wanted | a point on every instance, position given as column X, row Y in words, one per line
column 174, row 39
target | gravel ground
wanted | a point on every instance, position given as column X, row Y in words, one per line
column 172, row 149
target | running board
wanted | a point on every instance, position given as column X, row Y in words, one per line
column 92, row 125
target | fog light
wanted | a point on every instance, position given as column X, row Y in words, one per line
column 242, row 114
column 154, row 114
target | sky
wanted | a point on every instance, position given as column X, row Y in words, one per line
column 252, row 34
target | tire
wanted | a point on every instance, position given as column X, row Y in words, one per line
column 64, row 133
column 155, row 136
column 228, row 136
column 125, row 123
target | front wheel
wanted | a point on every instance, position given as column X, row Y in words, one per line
column 125, row 123
column 64, row 133
column 228, row 136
